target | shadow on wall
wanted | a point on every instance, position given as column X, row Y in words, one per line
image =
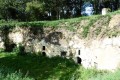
column 53, row 38
column 33, row 33
column 32, row 37
column 9, row 46
column 37, row 32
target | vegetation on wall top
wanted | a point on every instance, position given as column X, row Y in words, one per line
column 69, row 24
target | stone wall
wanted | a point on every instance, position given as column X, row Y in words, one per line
column 93, row 52
column 98, row 53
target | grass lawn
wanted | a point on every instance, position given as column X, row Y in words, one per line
column 32, row 67
column 39, row 67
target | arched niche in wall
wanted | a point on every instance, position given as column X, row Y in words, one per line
column 63, row 53
column 79, row 60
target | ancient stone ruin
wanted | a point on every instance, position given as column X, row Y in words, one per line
column 100, row 53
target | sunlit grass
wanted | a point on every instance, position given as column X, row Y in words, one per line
column 31, row 67
column 40, row 67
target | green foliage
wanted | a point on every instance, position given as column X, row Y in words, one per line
column 9, row 74
column 70, row 24
column 85, row 74
column 29, row 10
column 2, row 21
column 19, row 50
column 13, row 9
column 35, row 10
column 1, row 49
column 31, row 67
column 40, row 67
column 86, row 29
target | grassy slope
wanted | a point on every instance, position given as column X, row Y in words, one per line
column 39, row 67
column 48, row 23
column 71, row 24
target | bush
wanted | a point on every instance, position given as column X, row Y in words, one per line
column 19, row 50
column 34, row 10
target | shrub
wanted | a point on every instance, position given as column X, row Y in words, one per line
column 19, row 50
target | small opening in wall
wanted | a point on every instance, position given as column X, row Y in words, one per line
column 78, row 52
column 43, row 53
column 10, row 47
column 79, row 60
column 63, row 53
column 43, row 48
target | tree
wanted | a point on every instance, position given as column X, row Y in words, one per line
column 12, row 9
column 54, row 7
column 31, row 10
column 35, row 10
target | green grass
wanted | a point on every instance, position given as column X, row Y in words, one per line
column 107, row 76
column 39, row 67
column 31, row 67
column 9, row 74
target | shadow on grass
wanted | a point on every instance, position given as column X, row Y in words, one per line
column 40, row 67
